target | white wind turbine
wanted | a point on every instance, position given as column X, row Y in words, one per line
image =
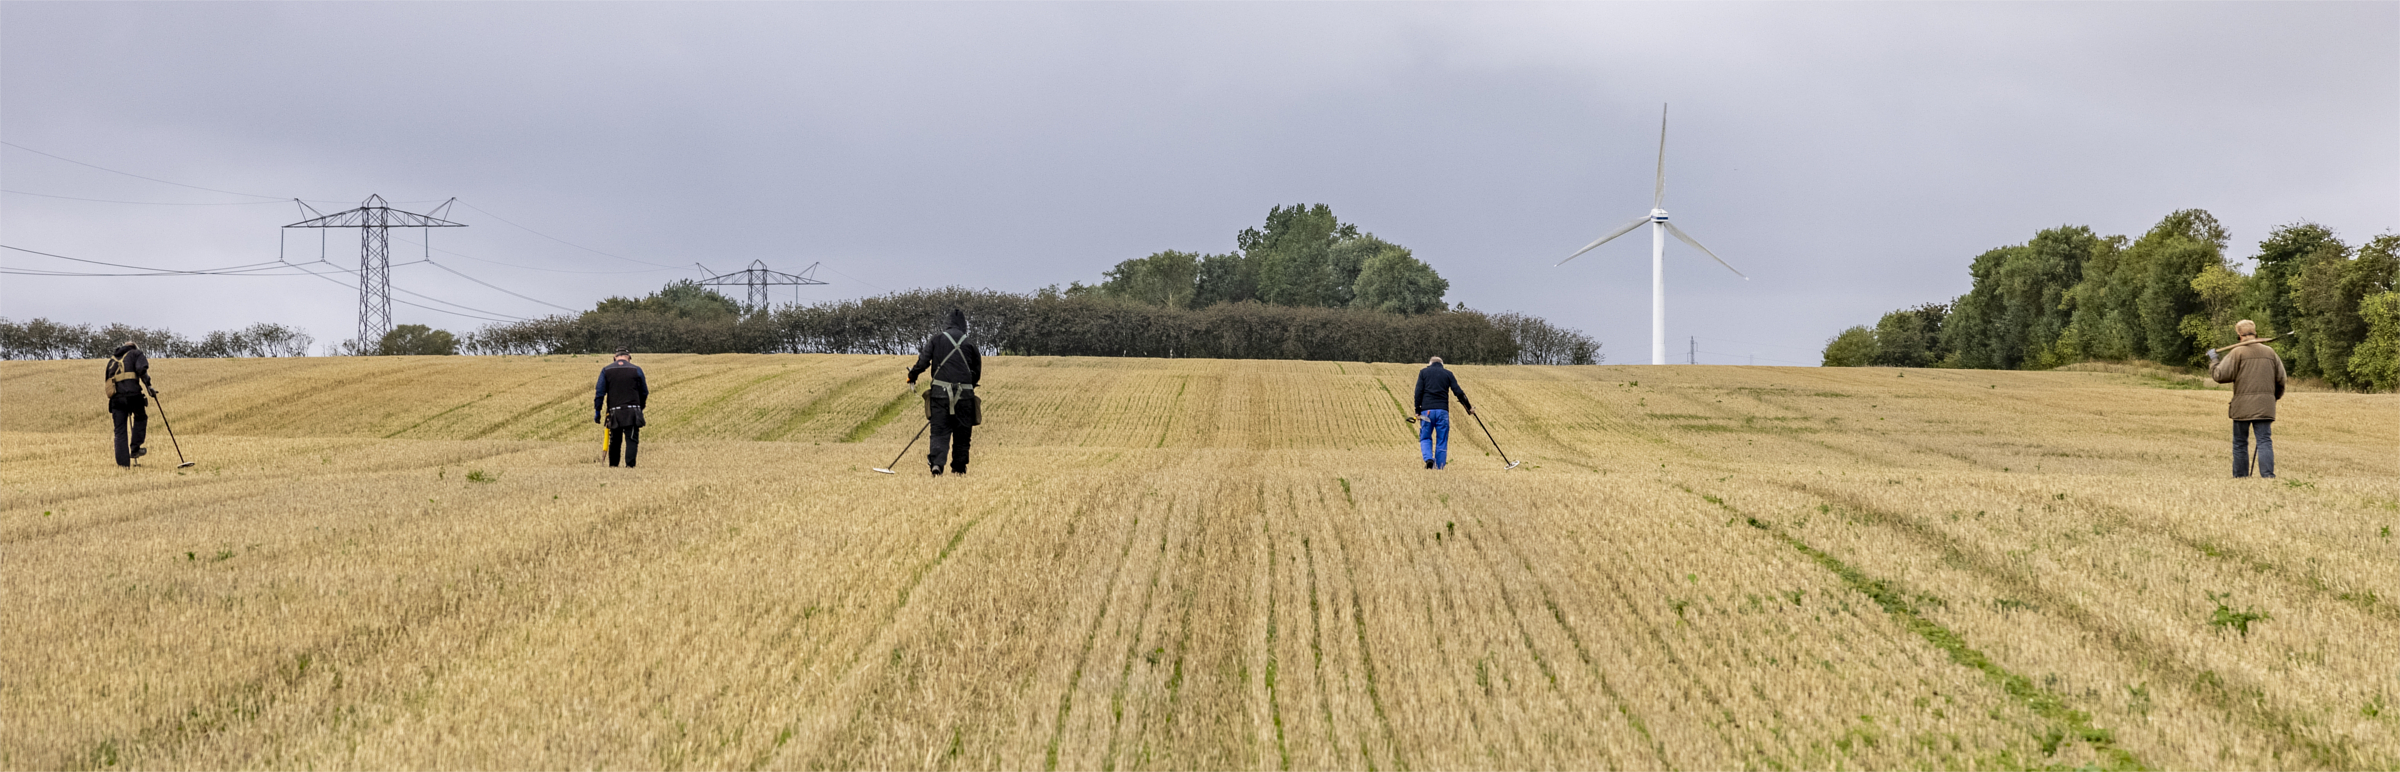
column 1659, row 228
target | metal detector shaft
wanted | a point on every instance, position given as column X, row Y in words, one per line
column 912, row 442
column 162, row 418
column 1487, row 434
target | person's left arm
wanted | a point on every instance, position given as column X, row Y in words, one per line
column 599, row 393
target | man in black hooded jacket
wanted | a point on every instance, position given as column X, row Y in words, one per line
column 621, row 392
column 950, row 403
column 128, row 379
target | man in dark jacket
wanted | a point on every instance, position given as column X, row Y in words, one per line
column 621, row 392
column 2257, row 376
column 128, row 379
column 951, row 406
column 1435, row 384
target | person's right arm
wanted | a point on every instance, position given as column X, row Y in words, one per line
column 2225, row 369
column 924, row 360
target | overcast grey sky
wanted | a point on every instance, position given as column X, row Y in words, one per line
column 1850, row 157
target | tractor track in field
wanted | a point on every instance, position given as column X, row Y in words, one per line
column 1508, row 599
column 2130, row 641
column 1133, row 653
column 1366, row 650
column 236, row 704
column 152, row 489
column 817, row 404
column 1683, row 670
column 851, row 668
column 1083, row 656
column 2230, row 552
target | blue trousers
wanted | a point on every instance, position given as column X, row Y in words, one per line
column 1433, row 437
column 2266, row 447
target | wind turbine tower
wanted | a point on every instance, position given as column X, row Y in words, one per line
column 1659, row 228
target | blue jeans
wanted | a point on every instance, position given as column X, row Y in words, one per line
column 2266, row 447
column 1433, row 437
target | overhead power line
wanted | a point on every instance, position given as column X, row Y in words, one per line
column 261, row 269
column 140, row 203
column 454, row 272
column 487, row 213
column 161, row 271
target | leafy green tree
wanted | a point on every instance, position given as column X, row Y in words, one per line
column 1292, row 253
column 2280, row 258
column 681, row 299
column 2019, row 305
column 2375, row 363
column 1855, row 347
column 2327, row 297
column 1393, row 281
column 1346, row 259
column 417, row 340
column 1910, row 337
column 1229, row 278
column 1165, row 279
column 2170, row 255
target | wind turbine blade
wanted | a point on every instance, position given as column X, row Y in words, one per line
column 1604, row 239
column 1687, row 239
column 1658, row 195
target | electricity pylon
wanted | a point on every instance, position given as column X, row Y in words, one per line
column 374, row 220
column 758, row 278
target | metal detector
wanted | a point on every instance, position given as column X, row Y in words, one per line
column 912, row 442
column 1487, row 434
column 162, row 418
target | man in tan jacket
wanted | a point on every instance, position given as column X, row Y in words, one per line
column 2257, row 377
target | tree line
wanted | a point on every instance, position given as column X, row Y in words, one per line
column 1303, row 257
column 688, row 318
column 45, row 339
column 2071, row 295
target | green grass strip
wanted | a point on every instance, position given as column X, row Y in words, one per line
column 2074, row 723
column 883, row 415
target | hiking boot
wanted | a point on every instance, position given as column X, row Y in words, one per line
column 140, row 452
column 937, row 471
column 1429, row 463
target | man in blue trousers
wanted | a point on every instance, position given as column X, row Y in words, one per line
column 1435, row 384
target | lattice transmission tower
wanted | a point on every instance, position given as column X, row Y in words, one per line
column 758, row 278
column 374, row 220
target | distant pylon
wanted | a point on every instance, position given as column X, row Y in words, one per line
column 758, row 278
column 374, row 220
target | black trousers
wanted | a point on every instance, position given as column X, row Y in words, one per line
column 118, row 412
column 629, row 441
column 946, row 428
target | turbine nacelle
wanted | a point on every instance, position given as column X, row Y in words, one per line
column 1658, row 215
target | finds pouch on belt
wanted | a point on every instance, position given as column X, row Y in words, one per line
column 625, row 417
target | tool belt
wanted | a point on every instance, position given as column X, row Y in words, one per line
column 625, row 417
column 960, row 401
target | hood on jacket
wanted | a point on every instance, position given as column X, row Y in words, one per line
column 958, row 319
column 124, row 347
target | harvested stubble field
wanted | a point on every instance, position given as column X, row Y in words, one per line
column 422, row 562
